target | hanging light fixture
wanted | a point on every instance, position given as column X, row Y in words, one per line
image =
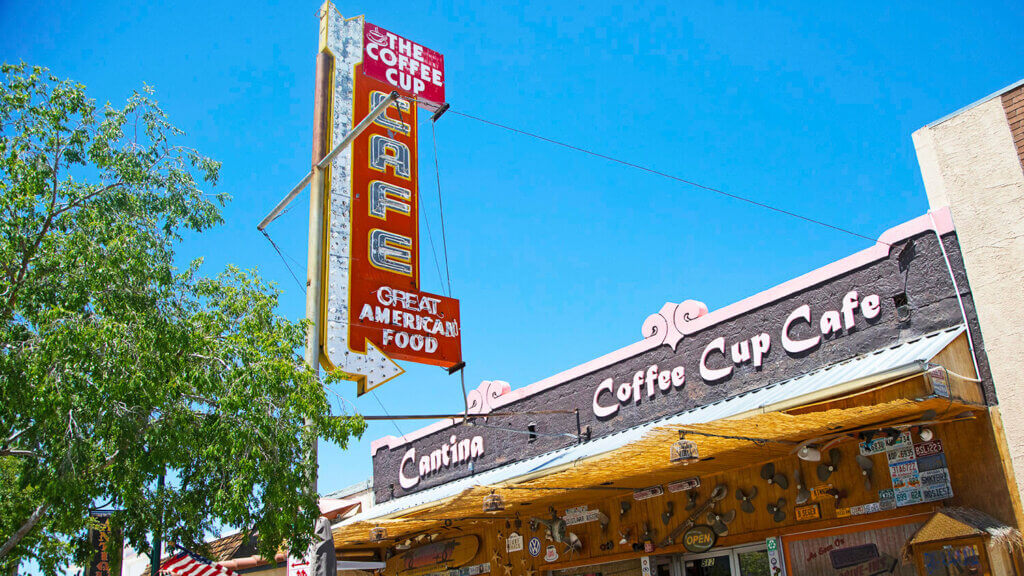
column 378, row 534
column 809, row 453
column 494, row 502
column 684, row 451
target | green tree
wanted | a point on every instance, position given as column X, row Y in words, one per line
column 115, row 366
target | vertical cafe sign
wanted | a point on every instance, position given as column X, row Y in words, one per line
column 105, row 540
column 373, row 308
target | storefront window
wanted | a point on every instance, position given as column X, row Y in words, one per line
column 753, row 563
column 868, row 552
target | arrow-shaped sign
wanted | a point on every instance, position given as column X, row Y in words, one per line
column 372, row 307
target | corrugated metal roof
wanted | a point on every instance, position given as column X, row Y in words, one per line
column 903, row 355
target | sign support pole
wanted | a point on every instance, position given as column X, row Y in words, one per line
column 314, row 250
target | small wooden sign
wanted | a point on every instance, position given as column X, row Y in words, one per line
column 700, row 538
column 649, row 492
column 808, row 512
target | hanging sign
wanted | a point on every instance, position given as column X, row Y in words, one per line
column 700, row 538
column 107, row 543
column 406, row 66
column 514, row 543
column 373, row 309
column 580, row 515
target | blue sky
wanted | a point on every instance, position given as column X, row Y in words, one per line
column 556, row 256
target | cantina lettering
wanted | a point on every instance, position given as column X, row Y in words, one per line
column 451, row 453
column 719, row 358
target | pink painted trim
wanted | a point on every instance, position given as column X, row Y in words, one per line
column 943, row 220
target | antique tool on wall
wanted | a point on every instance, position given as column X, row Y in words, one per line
column 720, row 492
column 825, row 469
column 720, row 522
column 778, row 510
column 555, row 526
column 624, row 507
column 666, row 516
column 745, row 499
column 769, row 473
column 603, row 520
column 623, row 537
column 802, row 493
column 866, row 466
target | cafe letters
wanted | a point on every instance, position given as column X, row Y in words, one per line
column 720, row 357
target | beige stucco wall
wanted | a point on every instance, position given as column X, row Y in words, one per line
column 969, row 163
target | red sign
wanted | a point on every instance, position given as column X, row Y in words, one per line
column 928, row 448
column 403, row 64
column 386, row 306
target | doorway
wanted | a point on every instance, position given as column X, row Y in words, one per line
column 750, row 560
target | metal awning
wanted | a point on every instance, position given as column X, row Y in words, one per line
column 857, row 373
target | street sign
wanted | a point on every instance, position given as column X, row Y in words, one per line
column 373, row 310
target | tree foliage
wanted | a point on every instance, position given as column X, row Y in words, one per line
column 115, row 366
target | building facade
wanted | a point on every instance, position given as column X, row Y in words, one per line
column 843, row 422
column 973, row 162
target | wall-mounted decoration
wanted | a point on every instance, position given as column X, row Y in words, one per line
column 825, row 469
column 514, row 542
column 666, row 516
column 777, row 509
column 808, row 512
column 720, row 522
column 700, row 538
column 772, row 476
column 550, row 554
column 649, row 492
column 431, row 557
column 683, row 485
column 802, row 493
column 745, row 499
column 719, row 493
column 867, row 465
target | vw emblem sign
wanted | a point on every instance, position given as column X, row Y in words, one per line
column 534, row 547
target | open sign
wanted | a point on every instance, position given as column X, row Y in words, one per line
column 699, row 539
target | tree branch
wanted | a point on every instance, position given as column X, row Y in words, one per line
column 20, row 534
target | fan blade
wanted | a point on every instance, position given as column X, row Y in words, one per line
column 865, row 463
column 753, row 493
column 835, row 455
column 767, row 471
column 740, row 495
column 719, row 492
column 867, row 483
column 824, row 471
column 747, row 506
column 712, row 517
column 780, row 515
column 803, row 495
column 781, row 480
column 729, row 516
column 720, row 528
